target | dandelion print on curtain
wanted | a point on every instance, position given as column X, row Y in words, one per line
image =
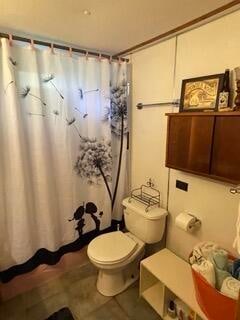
column 63, row 161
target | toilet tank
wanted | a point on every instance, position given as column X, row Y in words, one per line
column 147, row 226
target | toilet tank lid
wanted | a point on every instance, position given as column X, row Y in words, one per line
column 153, row 213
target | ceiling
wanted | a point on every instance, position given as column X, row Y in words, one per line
column 112, row 26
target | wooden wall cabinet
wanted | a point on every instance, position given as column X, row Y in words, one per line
column 206, row 144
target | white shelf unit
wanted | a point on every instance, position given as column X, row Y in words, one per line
column 163, row 277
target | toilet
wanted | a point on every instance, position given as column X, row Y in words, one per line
column 117, row 255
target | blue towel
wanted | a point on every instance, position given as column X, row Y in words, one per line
column 230, row 267
column 219, row 258
column 236, row 269
column 221, row 275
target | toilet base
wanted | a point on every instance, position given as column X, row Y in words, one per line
column 110, row 285
column 112, row 282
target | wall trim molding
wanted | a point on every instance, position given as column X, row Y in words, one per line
column 207, row 17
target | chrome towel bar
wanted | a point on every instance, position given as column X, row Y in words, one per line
column 155, row 104
column 235, row 190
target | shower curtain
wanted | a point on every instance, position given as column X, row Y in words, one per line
column 63, row 160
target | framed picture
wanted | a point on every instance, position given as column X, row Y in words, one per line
column 201, row 94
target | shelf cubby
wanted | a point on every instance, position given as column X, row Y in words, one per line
column 164, row 277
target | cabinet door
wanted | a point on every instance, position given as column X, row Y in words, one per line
column 190, row 143
column 226, row 149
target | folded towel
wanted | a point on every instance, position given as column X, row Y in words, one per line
column 231, row 287
column 230, row 267
column 236, row 243
column 202, row 250
column 207, row 248
column 219, row 258
column 236, row 269
column 206, row 269
column 220, row 275
column 196, row 257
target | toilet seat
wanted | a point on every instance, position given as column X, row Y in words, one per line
column 110, row 248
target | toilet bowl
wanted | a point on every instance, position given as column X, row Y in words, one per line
column 117, row 255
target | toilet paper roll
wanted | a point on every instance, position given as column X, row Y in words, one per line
column 185, row 221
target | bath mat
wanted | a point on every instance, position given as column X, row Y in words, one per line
column 62, row 314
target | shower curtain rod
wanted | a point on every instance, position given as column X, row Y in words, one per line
column 62, row 47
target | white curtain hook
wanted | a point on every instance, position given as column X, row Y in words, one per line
column 86, row 55
column 119, row 60
column 70, row 51
column 110, row 59
column 100, row 57
column 52, row 48
column 10, row 39
column 32, row 44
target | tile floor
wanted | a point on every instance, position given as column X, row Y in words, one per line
column 76, row 290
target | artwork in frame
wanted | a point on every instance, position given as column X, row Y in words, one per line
column 201, row 94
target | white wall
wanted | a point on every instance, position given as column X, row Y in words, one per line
column 152, row 78
column 206, row 50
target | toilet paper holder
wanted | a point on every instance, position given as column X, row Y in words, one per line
column 196, row 223
column 187, row 222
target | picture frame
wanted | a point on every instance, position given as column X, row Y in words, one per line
column 201, row 93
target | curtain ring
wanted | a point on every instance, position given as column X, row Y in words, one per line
column 110, row 59
column 32, row 44
column 70, row 51
column 10, row 39
column 52, row 48
column 100, row 57
column 119, row 60
column 86, row 55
